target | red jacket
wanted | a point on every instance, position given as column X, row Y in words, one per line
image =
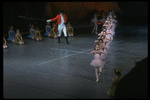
column 58, row 18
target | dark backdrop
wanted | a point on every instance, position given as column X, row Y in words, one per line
column 11, row 11
column 133, row 13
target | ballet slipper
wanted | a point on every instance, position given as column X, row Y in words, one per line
column 20, row 43
column 37, row 39
column 13, row 40
column 100, row 74
column 108, row 93
column 97, row 80
column 4, row 47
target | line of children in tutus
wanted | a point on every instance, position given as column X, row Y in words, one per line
column 101, row 50
column 102, row 46
column 35, row 33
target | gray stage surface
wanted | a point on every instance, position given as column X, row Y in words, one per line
column 47, row 69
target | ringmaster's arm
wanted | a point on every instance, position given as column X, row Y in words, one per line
column 51, row 20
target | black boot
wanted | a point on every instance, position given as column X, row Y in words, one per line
column 67, row 40
column 59, row 40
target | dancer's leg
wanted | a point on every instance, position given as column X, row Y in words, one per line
column 96, row 27
column 96, row 73
column 104, row 61
column 100, row 71
column 13, row 40
column 93, row 29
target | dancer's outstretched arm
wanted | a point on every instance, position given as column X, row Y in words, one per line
column 102, row 51
column 92, row 51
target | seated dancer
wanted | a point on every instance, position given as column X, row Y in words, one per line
column 11, row 34
column 48, row 30
column 61, row 20
column 37, row 34
column 19, row 39
column 31, row 30
column 111, row 91
column 55, row 30
column 70, row 31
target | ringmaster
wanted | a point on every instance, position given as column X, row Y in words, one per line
column 61, row 20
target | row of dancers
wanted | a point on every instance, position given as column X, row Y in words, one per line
column 101, row 50
column 36, row 33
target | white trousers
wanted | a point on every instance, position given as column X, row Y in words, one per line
column 60, row 29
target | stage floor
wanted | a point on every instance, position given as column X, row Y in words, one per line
column 47, row 69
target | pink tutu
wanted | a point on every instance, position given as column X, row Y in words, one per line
column 108, row 36
column 103, row 63
column 105, row 51
column 107, row 45
column 103, row 56
column 96, row 62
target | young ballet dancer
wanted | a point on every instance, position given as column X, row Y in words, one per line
column 31, row 30
column 4, row 43
column 103, row 32
column 61, row 20
column 19, row 39
column 70, row 31
column 102, row 47
column 111, row 91
column 48, row 30
column 113, row 23
column 109, row 36
column 97, row 62
column 11, row 34
column 106, row 43
column 37, row 34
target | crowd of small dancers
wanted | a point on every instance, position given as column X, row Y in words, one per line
column 101, row 50
column 35, row 33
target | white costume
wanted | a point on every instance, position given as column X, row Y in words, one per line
column 62, row 27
